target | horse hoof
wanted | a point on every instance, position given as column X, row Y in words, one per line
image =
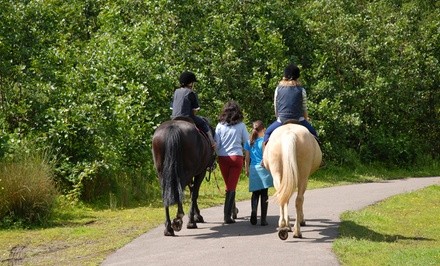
column 302, row 223
column 177, row 224
column 298, row 236
column 168, row 233
column 229, row 221
column 191, row 225
column 283, row 234
column 198, row 219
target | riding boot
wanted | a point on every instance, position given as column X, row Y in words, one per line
column 229, row 203
column 254, row 206
column 264, row 206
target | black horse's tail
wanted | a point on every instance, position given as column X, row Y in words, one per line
column 172, row 190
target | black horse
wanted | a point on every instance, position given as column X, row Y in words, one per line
column 181, row 155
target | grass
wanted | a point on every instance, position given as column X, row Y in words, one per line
column 86, row 234
column 402, row 230
column 27, row 192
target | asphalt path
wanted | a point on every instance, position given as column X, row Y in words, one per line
column 214, row 243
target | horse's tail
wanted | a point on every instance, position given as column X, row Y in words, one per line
column 289, row 178
column 172, row 190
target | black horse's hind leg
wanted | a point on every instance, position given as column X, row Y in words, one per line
column 177, row 222
column 168, row 229
column 194, row 198
column 194, row 212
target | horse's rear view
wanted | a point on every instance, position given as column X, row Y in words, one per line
column 291, row 155
column 181, row 155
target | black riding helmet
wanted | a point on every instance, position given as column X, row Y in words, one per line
column 187, row 77
column 291, row 72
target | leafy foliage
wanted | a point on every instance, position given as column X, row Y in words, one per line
column 91, row 80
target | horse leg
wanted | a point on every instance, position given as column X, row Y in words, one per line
column 194, row 212
column 168, row 229
column 300, row 221
column 299, row 205
column 194, row 198
column 177, row 222
column 283, row 223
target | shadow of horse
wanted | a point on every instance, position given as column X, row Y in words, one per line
column 242, row 228
column 350, row 229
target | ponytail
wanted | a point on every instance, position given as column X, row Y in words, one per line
column 257, row 126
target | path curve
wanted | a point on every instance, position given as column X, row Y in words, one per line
column 244, row 244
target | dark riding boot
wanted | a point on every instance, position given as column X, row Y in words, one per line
column 264, row 206
column 229, row 204
column 254, row 206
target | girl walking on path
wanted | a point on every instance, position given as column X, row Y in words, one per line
column 259, row 178
column 230, row 136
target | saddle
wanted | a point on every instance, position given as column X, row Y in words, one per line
column 291, row 121
column 190, row 120
column 184, row 118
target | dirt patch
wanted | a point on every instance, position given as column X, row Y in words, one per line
column 16, row 255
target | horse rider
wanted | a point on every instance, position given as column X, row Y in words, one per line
column 186, row 103
column 290, row 102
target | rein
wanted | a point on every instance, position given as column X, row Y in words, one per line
column 209, row 176
column 215, row 178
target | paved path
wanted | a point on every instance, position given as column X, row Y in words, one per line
column 243, row 244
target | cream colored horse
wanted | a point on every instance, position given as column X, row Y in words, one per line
column 291, row 155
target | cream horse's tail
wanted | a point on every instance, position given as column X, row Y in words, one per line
column 289, row 178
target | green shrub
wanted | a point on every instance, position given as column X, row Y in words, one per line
column 27, row 191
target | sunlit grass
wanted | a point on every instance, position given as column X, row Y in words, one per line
column 402, row 230
column 87, row 234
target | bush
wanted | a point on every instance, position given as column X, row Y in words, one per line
column 27, row 191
